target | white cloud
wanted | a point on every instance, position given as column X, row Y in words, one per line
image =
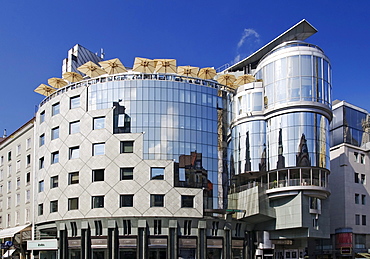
column 247, row 33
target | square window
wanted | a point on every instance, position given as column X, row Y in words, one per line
column 156, row 200
column 40, row 209
column 127, row 200
column 157, row 173
column 54, row 206
column 41, row 186
column 73, row 178
column 127, row 146
column 98, row 175
column 127, row 173
column 55, row 133
column 42, row 117
column 99, row 123
column 98, row 149
column 55, row 109
column 41, row 163
column 97, row 202
column 42, row 140
column 74, row 127
column 187, row 201
column 75, row 102
column 74, row 152
column 55, row 157
column 73, row 204
column 54, row 182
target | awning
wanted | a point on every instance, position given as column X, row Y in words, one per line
column 10, row 232
column 8, row 253
column 362, row 255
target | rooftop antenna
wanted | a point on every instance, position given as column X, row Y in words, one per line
column 4, row 136
column 102, row 54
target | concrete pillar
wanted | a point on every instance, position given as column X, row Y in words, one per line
column 202, row 239
column 172, row 240
column 142, row 244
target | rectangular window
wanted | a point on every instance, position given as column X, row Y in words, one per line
column 1, row 160
column 28, row 160
column 73, row 204
column 73, row 178
column 28, row 195
column 157, row 227
column 41, row 163
column 1, row 174
column 127, row 146
column 364, row 220
column 127, row 200
column 75, row 102
column 18, row 199
column 74, row 152
column 42, row 117
column 42, row 140
column 28, row 178
column 40, row 209
column 363, row 179
column 157, row 173
column 98, row 228
column 55, row 109
column 363, row 199
column 98, row 149
column 18, row 150
column 156, row 200
column 54, row 206
column 18, row 166
column 99, row 123
column 98, row 175
column 9, row 170
column 18, row 182
column 97, row 202
column 127, row 173
column 74, row 228
column 357, row 198
column 55, row 157
column 54, row 182
column 187, row 227
column 9, row 205
column 74, row 127
column 9, row 155
column 357, row 219
column 214, row 228
column 187, row 201
column 55, row 133
column 9, row 186
column 28, row 143
column 357, row 178
column 127, row 227
column 41, row 186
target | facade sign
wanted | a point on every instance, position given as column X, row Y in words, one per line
column 49, row 244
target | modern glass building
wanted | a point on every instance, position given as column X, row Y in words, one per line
column 279, row 148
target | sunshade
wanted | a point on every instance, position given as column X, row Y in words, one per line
column 207, row 73
column 187, row 71
column 143, row 65
column 226, row 79
column 244, row 79
column 57, row 82
column 44, row 90
column 113, row 66
column 91, row 69
column 165, row 66
column 72, row 77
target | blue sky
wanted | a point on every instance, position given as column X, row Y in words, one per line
column 36, row 35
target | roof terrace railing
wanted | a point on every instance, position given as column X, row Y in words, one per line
column 125, row 77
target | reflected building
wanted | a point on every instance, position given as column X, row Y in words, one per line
column 282, row 120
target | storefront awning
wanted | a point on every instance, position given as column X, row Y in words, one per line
column 10, row 232
column 8, row 253
column 363, row 255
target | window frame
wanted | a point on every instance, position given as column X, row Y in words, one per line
column 70, row 178
column 55, row 109
column 157, row 175
column 72, row 125
column 94, row 149
column 54, row 206
column 126, row 200
column 97, row 202
column 54, row 157
column 187, row 201
column 54, row 133
column 127, row 147
column 157, row 203
column 98, row 175
column 72, row 100
column 126, row 170
column 54, row 181
column 71, row 201
column 72, row 150
column 98, row 125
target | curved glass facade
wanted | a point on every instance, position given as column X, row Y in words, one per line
column 298, row 73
